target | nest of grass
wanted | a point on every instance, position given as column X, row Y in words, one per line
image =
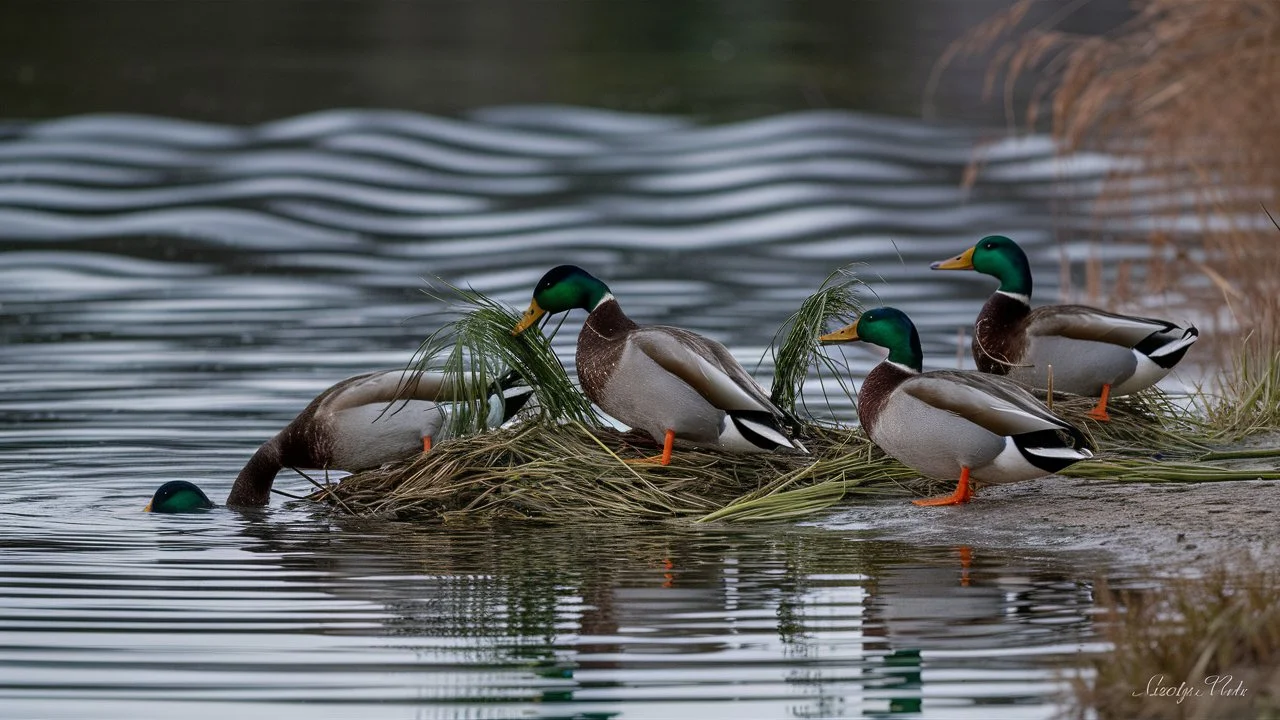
column 559, row 462
column 546, row 472
column 542, row 471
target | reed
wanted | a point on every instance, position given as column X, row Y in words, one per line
column 834, row 303
column 1184, row 97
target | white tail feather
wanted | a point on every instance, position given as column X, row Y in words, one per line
column 1175, row 346
column 1059, row 452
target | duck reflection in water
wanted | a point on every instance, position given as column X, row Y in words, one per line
column 584, row 611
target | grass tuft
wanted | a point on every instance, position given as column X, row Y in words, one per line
column 834, row 302
column 477, row 346
column 1248, row 401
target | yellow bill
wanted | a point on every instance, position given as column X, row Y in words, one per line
column 147, row 508
column 963, row 261
column 848, row 333
column 531, row 316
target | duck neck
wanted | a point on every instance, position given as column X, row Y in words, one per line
column 876, row 389
column 904, row 350
column 996, row 332
column 607, row 319
column 1014, row 274
column 600, row 346
column 253, row 485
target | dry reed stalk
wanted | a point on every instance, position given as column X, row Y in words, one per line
column 1188, row 92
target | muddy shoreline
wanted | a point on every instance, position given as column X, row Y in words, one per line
column 1164, row 526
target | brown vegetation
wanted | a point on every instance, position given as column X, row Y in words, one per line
column 1188, row 92
column 1213, row 638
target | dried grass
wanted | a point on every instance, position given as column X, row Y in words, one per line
column 1187, row 93
column 557, row 462
column 543, row 471
column 1221, row 624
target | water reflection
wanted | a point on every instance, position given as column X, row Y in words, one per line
column 171, row 293
column 281, row 605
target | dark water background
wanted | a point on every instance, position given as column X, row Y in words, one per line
column 174, row 287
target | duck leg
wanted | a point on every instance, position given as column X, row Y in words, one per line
column 426, row 443
column 1099, row 413
column 663, row 459
column 962, row 495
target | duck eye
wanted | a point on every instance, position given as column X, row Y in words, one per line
column 990, row 246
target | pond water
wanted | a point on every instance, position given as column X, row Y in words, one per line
column 173, row 291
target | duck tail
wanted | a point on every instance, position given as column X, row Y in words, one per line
column 761, row 429
column 510, row 393
column 1166, row 350
column 252, row 487
column 1053, row 450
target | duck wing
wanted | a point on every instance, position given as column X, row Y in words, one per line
column 1080, row 322
column 989, row 401
column 382, row 387
column 705, row 365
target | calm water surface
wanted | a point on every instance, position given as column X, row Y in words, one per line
column 171, row 293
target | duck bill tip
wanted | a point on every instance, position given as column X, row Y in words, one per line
column 963, row 261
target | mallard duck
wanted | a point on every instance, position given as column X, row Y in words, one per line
column 667, row 381
column 361, row 423
column 1093, row 352
column 179, row 496
column 949, row 423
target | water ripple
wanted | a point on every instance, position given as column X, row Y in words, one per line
column 172, row 293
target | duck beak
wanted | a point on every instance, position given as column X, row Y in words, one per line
column 848, row 333
column 530, row 317
column 147, row 508
column 963, row 261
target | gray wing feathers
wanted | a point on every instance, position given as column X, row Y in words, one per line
column 992, row 402
column 705, row 365
column 383, row 387
column 1085, row 323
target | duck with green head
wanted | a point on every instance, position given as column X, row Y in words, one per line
column 671, row 383
column 982, row 429
column 1092, row 352
column 179, row 496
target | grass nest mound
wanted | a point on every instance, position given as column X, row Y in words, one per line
column 559, row 461
column 540, row 471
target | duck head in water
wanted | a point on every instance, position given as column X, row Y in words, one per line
column 179, row 496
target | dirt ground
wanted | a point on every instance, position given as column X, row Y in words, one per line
column 1174, row 525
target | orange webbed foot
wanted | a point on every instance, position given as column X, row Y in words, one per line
column 665, row 458
column 1099, row 412
column 962, row 495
